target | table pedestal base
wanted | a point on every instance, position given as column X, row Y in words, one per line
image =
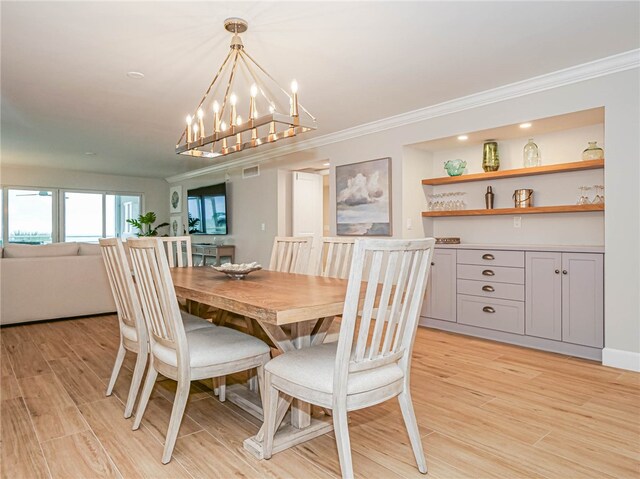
column 289, row 436
column 245, row 399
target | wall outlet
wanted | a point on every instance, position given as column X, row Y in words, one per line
column 409, row 224
column 517, row 221
column 263, row 227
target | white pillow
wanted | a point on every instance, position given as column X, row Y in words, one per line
column 40, row 251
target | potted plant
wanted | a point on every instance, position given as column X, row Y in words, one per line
column 144, row 223
column 193, row 224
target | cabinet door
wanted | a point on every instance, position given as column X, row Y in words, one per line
column 440, row 299
column 583, row 299
column 543, row 316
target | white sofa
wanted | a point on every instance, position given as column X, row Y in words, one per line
column 59, row 280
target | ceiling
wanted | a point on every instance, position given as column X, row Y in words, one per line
column 65, row 91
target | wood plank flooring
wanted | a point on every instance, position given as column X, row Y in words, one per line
column 484, row 410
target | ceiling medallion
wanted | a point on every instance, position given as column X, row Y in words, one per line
column 219, row 138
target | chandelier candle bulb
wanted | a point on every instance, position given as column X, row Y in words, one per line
column 195, row 132
column 201, row 123
column 223, row 127
column 239, row 135
column 294, row 100
column 252, row 102
column 216, row 117
column 233, row 101
column 189, row 129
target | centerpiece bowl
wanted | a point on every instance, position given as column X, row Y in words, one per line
column 237, row 271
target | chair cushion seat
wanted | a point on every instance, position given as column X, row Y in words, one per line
column 191, row 323
column 313, row 368
column 211, row 346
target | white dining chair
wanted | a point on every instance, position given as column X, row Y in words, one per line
column 178, row 248
column 133, row 331
column 291, row 254
column 181, row 355
column 333, row 257
column 371, row 361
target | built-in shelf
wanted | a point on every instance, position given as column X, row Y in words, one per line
column 537, row 170
column 518, row 211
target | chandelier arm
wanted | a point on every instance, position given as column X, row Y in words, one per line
column 230, row 82
column 256, row 79
column 208, row 90
column 283, row 90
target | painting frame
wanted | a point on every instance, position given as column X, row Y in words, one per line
column 175, row 225
column 364, row 198
column 175, row 199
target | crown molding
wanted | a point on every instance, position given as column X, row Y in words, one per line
column 586, row 71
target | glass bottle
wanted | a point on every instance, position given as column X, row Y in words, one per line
column 594, row 152
column 490, row 158
column 531, row 154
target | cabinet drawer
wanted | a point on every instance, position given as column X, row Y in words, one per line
column 491, row 289
column 495, row 274
column 498, row 314
column 491, row 257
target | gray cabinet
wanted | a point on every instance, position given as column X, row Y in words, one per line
column 582, row 299
column 543, row 317
column 564, row 297
column 440, row 299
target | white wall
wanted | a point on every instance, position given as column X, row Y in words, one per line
column 620, row 96
column 155, row 191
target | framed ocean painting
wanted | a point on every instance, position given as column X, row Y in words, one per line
column 363, row 198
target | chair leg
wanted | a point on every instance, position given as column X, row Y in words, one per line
column 152, row 374
column 269, row 408
column 222, row 388
column 406, row 405
column 138, row 373
column 179, row 403
column 116, row 369
column 341, row 431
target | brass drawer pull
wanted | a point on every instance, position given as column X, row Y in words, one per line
column 488, row 288
column 488, row 272
column 488, row 256
column 488, row 309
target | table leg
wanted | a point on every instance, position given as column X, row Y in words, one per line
column 300, row 410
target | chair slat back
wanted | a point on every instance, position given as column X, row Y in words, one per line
column 157, row 294
column 334, row 257
column 291, row 254
column 173, row 246
column 384, row 296
column 122, row 287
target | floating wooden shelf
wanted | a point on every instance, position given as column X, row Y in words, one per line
column 518, row 211
column 537, row 170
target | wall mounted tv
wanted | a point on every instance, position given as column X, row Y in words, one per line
column 208, row 205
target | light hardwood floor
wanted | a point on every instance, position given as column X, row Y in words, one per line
column 484, row 409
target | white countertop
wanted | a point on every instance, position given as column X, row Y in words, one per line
column 526, row 247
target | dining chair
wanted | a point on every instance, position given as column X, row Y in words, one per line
column 371, row 361
column 133, row 331
column 174, row 247
column 178, row 354
column 333, row 258
column 291, row 254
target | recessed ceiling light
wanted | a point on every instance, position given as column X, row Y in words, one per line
column 463, row 137
column 326, row 164
column 135, row 75
column 525, row 125
column 90, row 153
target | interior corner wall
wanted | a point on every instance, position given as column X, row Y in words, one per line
column 155, row 191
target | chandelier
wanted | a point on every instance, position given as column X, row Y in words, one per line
column 273, row 112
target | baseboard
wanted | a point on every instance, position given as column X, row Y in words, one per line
column 617, row 358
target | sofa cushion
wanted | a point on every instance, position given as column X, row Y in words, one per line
column 40, row 251
column 89, row 249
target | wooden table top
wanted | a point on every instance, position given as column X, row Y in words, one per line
column 277, row 298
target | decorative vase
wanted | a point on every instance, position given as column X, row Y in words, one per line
column 490, row 158
column 455, row 167
column 531, row 154
column 594, row 152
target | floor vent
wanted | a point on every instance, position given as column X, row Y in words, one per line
column 250, row 171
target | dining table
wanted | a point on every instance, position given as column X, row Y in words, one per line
column 295, row 311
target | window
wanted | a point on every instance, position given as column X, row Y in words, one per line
column 89, row 216
column 30, row 216
column 38, row 216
